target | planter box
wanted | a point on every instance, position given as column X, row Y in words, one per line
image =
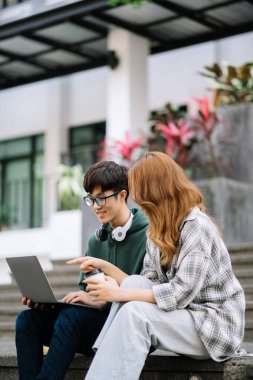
column 66, row 234
column 230, row 202
column 237, row 131
column 232, row 142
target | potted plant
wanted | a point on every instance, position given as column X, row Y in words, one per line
column 187, row 134
column 125, row 151
column 233, row 94
column 5, row 217
column 70, row 186
column 231, row 84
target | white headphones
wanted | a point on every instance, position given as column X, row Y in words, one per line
column 118, row 233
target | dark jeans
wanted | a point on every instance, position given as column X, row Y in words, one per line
column 65, row 329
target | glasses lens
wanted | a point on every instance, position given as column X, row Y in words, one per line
column 89, row 201
column 100, row 201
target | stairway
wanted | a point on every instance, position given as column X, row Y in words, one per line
column 64, row 278
column 160, row 365
column 242, row 262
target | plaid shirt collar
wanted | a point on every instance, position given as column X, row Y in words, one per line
column 191, row 216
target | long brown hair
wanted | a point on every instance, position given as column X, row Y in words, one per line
column 166, row 195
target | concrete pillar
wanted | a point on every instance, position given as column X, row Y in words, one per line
column 127, row 108
column 55, row 142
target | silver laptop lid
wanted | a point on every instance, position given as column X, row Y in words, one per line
column 31, row 279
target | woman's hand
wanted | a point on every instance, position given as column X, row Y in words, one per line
column 107, row 290
column 89, row 263
column 82, row 297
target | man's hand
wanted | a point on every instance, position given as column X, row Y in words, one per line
column 34, row 305
column 107, row 290
column 82, row 297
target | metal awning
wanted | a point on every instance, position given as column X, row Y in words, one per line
column 49, row 38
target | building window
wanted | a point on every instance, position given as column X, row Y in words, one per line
column 21, row 181
column 84, row 145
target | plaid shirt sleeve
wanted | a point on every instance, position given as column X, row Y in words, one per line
column 151, row 264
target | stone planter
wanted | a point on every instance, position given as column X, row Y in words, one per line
column 230, row 202
column 237, row 133
column 232, row 143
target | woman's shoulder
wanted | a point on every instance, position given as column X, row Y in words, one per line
column 199, row 223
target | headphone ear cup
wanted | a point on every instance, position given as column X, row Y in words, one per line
column 101, row 233
column 118, row 234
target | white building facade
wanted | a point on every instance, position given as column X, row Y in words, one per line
column 57, row 118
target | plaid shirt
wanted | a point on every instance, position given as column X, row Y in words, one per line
column 200, row 279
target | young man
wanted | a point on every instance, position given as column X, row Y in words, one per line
column 68, row 329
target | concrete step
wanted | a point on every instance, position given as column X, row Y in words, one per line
column 159, row 366
column 10, row 311
column 249, row 310
column 14, row 298
column 244, row 275
column 240, row 248
column 61, row 265
column 7, row 325
column 57, row 282
column 248, row 332
column 248, row 290
column 62, row 274
column 242, row 260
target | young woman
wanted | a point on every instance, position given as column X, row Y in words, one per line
column 187, row 299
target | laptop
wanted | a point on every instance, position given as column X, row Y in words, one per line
column 33, row 283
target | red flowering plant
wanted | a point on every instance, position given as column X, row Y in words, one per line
column 179, row 137
column 173, row 134
column 187, row 136
column 123, row 151
column 206, row 121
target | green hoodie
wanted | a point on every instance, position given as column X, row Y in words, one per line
column 127, row 254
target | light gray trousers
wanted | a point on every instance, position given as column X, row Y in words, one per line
column 131, row 329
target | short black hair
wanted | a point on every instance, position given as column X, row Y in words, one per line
column 108, row 175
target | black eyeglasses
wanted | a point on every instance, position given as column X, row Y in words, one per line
column 100, row 201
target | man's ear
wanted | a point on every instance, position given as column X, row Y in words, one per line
column 123, row 195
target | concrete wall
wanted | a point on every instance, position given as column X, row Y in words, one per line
column 230, row 203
